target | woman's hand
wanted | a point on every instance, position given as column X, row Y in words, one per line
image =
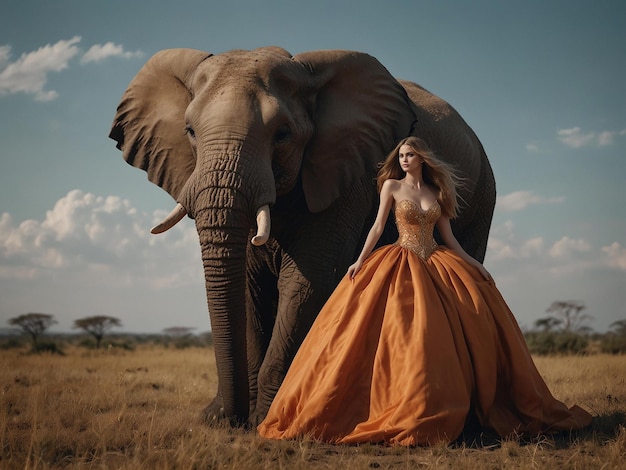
column 354, row 268
column 445, row 230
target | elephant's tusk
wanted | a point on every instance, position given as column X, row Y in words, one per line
column 263, row 226
column 172, row 219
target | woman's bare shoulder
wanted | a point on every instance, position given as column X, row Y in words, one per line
column 392, row 184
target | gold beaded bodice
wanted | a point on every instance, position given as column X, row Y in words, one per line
column 415, row 227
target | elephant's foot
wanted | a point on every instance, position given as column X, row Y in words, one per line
column 213, row 415
column 256, row 417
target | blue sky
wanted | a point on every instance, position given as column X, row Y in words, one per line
column 540, row 82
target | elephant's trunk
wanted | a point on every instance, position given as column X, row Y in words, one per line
column 223, row 223
column 224, row 270
column 223, row 195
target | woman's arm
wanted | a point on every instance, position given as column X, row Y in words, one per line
column 445, row 230
column 384, row 206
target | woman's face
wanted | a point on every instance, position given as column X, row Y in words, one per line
column 409, row 159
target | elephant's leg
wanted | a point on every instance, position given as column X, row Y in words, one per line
column 261, row 306
column 299, row 304
column 306, row 281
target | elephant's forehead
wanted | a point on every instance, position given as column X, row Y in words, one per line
column 259, row 61
column 241, row 64
column 245, row 75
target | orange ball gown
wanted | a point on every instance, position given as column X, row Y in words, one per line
column 409, row 350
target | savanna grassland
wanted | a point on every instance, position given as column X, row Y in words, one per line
column 140, row 409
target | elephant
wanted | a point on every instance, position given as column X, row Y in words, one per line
column 275, row 156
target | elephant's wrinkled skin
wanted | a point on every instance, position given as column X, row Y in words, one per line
column 226, row 134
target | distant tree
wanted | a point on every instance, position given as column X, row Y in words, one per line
column 614, row 342
column 33, row 324
column 180, row 337
column 547, row 324
column 563, row 332
column 570, row 312
column 178, row 331
column 97, row 326
column 619, row 327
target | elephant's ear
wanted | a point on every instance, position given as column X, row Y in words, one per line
column 360, row 113
column 150, row 120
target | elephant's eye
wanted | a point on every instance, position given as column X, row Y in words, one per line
column 190, row 132
column 282, row 135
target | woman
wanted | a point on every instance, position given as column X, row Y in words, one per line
column 416, row 340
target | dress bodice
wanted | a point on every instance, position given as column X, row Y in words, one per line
column 416, row 227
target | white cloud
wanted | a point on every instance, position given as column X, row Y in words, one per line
column 98, row 53
column 576, row 138
column 566, row 246
column 568, row 261
column 504, row 245
column 563, row 254
column 616, row 255
column 101, row 237
column 510, row 248
column 92, row 255
column 605, row 138
column 498, row 250
column 519, row 200
column 29, row 73
column 532, row 248
column 531, row 273
column 505, row 230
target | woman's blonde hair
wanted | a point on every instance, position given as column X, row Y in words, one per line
column 434, row 171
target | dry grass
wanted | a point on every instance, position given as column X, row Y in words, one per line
column 140, row 409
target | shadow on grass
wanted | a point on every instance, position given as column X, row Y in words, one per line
column 603, row 429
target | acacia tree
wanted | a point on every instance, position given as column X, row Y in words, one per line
column 619, row 327
column 33, row 324
column 547, row 324
column 570, row 312
column 97, row 326
column 178, row 331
